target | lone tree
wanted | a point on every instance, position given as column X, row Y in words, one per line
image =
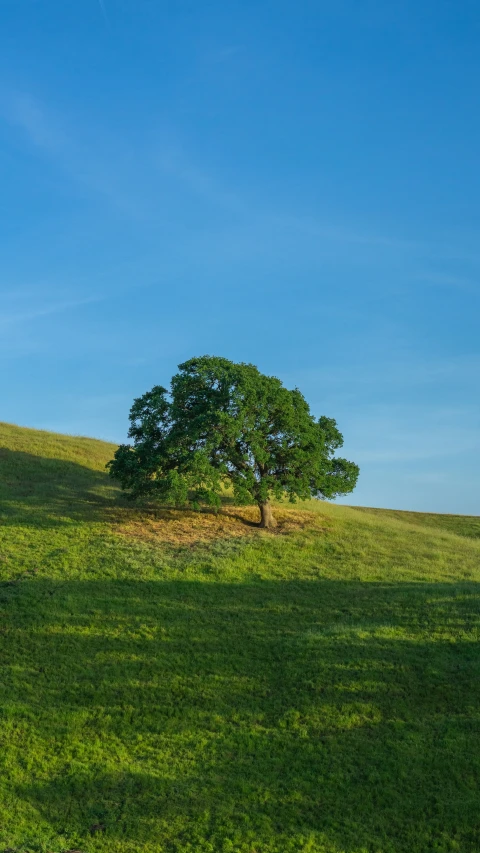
column 228, row 424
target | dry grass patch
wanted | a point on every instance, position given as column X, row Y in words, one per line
column 187, row 527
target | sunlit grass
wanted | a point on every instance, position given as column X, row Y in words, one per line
column 179, row 682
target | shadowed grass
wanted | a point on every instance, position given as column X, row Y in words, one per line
column 178, row 691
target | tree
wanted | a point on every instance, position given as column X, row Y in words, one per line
column 228, row 424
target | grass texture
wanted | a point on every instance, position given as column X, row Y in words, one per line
column 179, row 682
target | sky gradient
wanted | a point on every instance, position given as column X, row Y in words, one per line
column 293, row 184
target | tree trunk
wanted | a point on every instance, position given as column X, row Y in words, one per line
column 267, row 519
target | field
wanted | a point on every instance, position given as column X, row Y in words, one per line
column 175, row 682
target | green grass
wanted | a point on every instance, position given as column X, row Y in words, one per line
column 315, row 690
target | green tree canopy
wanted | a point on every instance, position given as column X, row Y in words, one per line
column 228, row 424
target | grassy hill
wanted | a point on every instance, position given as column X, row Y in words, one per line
column 179, row 682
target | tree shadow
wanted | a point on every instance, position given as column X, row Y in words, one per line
column 45, row 492
column 190, row 714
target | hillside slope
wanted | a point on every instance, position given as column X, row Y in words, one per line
column 175, row 681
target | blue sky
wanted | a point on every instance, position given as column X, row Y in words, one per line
column 294, row 184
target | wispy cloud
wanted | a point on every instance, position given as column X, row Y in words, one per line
column 89, row 164
column 435, row 478
column 26, row 113
column 104, row 11
column 413, row 433
column 136, row 179
column 10, row 318
column 444, row 280
column 224, row 54
column 396, row 370
column 264, row 221
column 171, row 161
